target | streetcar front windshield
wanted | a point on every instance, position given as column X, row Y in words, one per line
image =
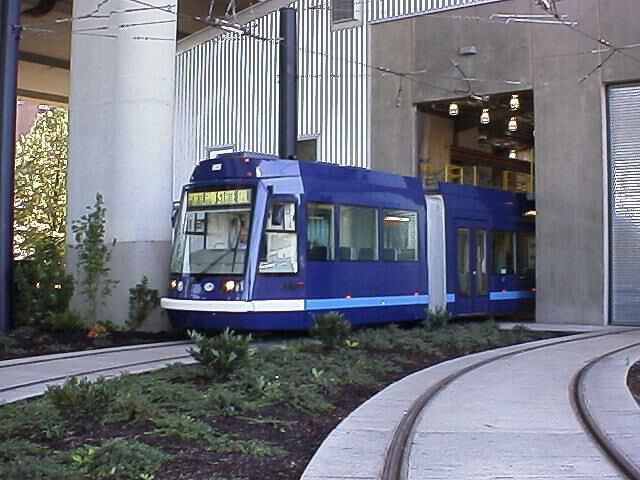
column 212, row 234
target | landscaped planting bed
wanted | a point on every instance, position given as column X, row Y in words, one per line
column 29, row 341
column 259, row 416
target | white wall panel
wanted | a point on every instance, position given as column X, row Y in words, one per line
column 382, row 10
column 227, row 92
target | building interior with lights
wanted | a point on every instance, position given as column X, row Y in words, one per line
column 485, row 141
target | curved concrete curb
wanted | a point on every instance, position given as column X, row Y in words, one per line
column 610, row 410
column 357, row 447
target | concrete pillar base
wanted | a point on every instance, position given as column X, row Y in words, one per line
column 130, row 261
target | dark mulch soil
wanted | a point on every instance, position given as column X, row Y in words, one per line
column 30, row 342
column 633, row 381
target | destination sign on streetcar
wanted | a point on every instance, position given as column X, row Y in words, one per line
column 219, row 198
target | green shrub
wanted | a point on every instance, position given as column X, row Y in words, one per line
column 519, row 332
column 226, row 401
column 184, row 426
column 21, row 459
column 142, row 301
column 223, row 354
column 82, row 398
column 118, row 458
column 437, row 318
column 34, row 419
column 67, row 321
column 43, row 288
column 94, row 257
column 331, row 328
column 7, row 343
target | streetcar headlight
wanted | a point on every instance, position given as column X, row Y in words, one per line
column 229, row 286
column 180, row 286
column 173, row 284
column 208, row 287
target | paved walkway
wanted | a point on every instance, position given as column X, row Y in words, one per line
column 29, row 377
column 509, row 419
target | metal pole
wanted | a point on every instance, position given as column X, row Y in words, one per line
column 9, row 37
column 288, row 132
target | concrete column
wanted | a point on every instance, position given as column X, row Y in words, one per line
column 121, row 103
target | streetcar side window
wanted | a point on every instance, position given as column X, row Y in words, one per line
column 358, row 233
column 504, row 248
column 320, row 235
column 400, row 235
column 280, row 242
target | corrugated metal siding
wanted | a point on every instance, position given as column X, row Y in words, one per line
column 382, row 10
column 624, row 155
column 227, row 92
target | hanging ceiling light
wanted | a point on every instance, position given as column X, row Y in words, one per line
column 453, row 109
column 513, row 124
column 513, row 155
column 514, row 103
column 485, row 118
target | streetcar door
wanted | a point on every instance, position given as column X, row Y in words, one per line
column 472, row 296
column 280, row 274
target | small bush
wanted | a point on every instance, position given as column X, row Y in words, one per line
column 437, row 318
column 43, row 288
column 33, row 419
column 142, row 301
column 223, row 354
column 118, row 459
column 66, row 321
column 7, row 343
column 520, row 332
column 21, row 459
column 184, row 426
column 331, row 329
column 227, row 402
column 82, row 398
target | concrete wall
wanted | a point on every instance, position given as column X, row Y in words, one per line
column 571, row 162
column 121, row 130
column 393, row 117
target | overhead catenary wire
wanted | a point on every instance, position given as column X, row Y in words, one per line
column 549, row 6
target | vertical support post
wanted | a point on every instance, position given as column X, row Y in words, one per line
column 288, row 112
column 9, row 36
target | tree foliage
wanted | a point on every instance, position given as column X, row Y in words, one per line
column 41, row 183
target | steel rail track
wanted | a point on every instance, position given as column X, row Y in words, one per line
column 579, row 404
column 118, row 367
column 85, row 353
column 14, row 362
column 396, row 459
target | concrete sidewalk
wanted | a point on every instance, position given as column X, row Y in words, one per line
column 29, row 377
column 509, row 419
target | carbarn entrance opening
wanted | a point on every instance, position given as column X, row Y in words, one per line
column 486, row 141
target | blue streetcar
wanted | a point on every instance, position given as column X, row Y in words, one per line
column 263, row 243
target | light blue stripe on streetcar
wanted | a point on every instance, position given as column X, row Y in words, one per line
column 360, row 302
column 514, row 295
column 451, row 297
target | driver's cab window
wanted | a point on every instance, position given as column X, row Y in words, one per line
column 280, row 244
